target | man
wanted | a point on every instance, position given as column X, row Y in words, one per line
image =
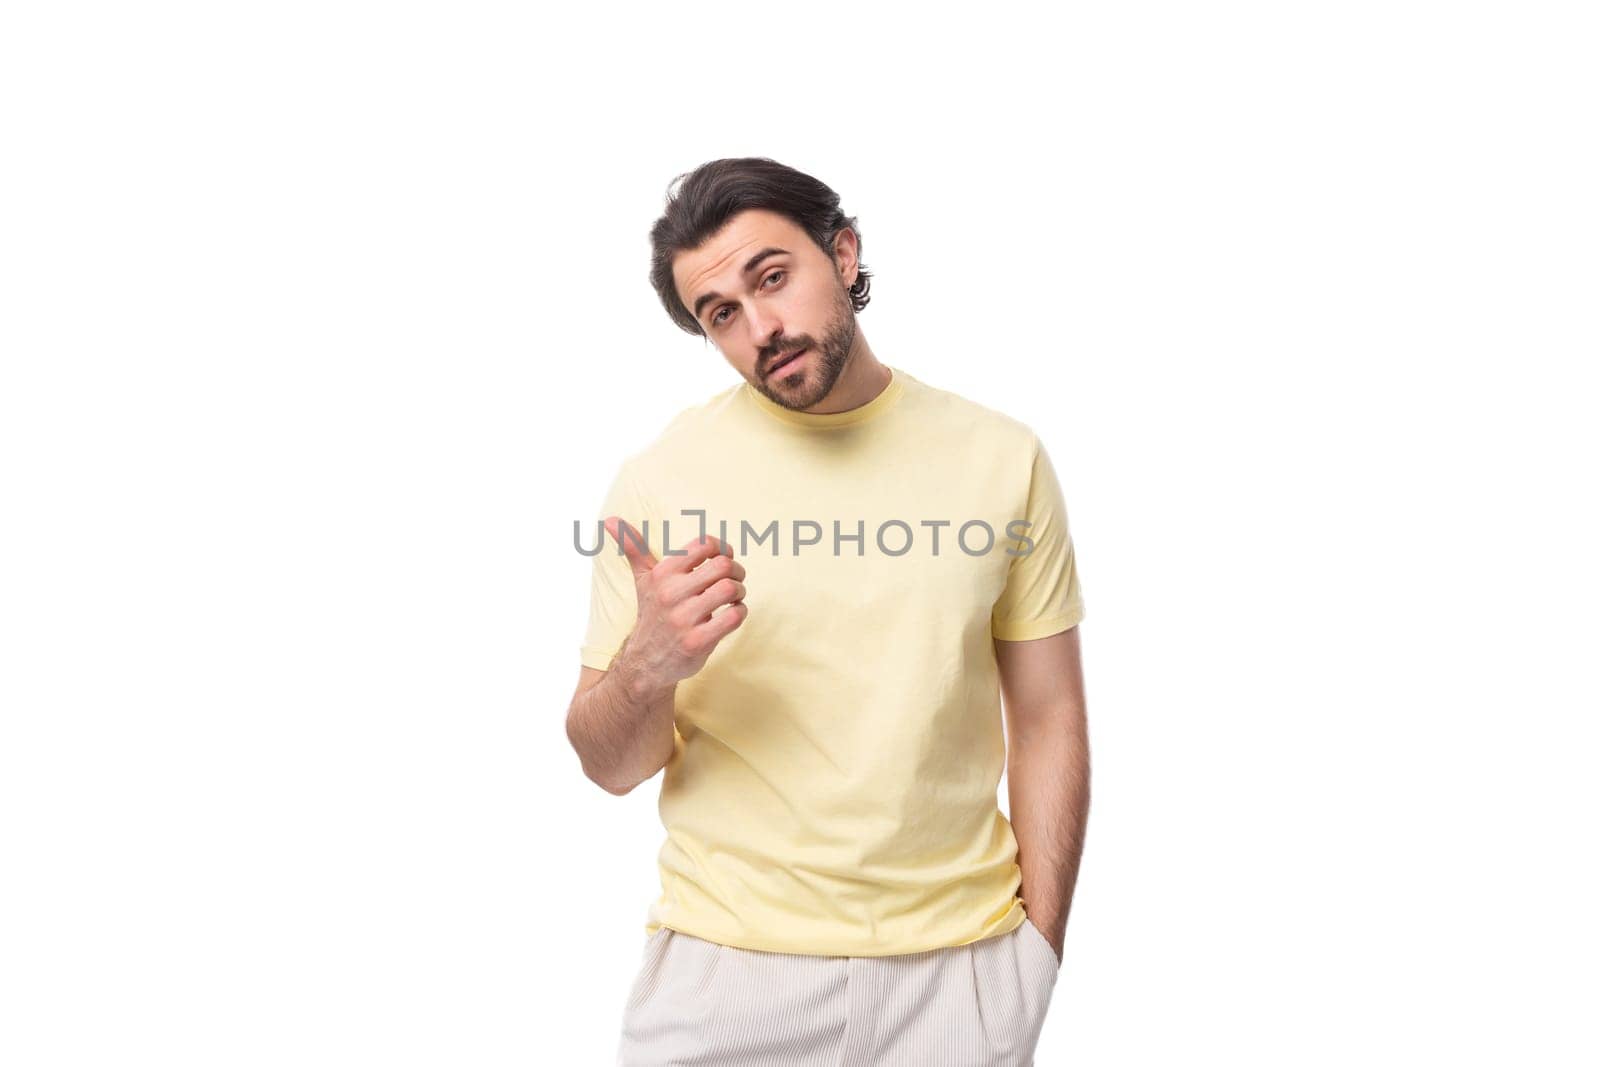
column 821, row 677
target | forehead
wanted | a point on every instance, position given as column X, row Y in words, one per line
column 715, row 264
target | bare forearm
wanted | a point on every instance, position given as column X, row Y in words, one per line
column 1047, row 775
column 622, row 727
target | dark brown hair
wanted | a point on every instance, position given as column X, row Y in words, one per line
column 708, row 196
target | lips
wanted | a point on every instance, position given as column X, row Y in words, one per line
column 788, row 360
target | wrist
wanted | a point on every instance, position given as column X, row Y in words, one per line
column 638, row 683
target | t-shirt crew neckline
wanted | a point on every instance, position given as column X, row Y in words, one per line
column 827, row 420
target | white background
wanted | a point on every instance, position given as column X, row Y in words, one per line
column 321, row 322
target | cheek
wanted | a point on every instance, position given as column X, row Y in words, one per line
column 808, row 311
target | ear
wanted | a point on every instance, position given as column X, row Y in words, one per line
column 846, row 249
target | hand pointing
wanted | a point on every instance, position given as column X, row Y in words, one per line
column 678, row 623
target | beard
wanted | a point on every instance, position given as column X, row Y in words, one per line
column 805, row 386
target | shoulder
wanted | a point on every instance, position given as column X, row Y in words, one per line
column 698, row 418
column 978, row 422
column 692, row 429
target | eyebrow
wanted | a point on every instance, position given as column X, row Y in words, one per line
column 750, row 264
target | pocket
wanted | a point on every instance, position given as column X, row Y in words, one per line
column 1042, row 941
column 649, row 962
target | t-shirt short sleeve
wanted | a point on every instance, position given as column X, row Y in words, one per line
column 613, row 597
column 1041, row 595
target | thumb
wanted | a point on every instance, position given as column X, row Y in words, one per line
column 633, row 544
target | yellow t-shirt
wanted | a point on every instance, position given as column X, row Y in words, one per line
column 836, row 762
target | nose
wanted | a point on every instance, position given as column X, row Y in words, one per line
column 764, row 326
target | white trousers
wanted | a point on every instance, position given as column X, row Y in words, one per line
column 976, row 1005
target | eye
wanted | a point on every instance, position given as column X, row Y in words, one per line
column 716, row 317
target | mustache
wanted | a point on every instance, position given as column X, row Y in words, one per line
column 783, row 355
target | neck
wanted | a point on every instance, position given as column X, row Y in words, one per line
column 863, row 378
